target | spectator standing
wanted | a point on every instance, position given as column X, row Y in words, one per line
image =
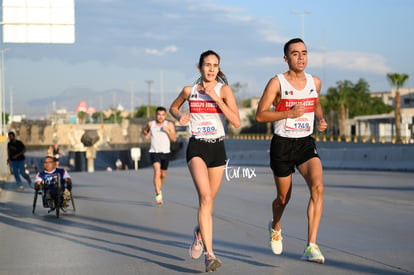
column 16, row 150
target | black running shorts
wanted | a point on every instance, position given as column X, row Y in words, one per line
column 212, row 152
column 286, row 153
column 162, row 158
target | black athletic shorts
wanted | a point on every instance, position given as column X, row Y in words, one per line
column 212, row 152
column 162, row 158
column 286, row 153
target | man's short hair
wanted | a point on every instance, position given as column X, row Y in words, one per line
column 160, row 108
column 290, row 42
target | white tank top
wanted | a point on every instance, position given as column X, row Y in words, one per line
column 296, row 127
column 160, row 142
column 206, row 118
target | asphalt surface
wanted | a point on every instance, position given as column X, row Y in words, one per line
column 367, row 227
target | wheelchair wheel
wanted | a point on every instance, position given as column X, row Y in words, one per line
column 73, row 202
column 36, row 193
column 58, row 200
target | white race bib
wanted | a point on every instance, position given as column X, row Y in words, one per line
column 303, row 123
column 204, row 128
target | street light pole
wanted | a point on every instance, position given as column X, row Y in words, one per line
column 2, row 95
column 302, row 16
column 132, row 87
column 149, row 82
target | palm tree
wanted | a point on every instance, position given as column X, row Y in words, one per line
column 339, row 100
column 343, row 94
column 397, row 80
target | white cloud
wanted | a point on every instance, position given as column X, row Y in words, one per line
column 271, row 36
column 355, row 61
column 168, row 49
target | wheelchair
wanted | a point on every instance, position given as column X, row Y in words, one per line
column 52, row 193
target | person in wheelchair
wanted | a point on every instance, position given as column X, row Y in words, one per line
column 46, row 180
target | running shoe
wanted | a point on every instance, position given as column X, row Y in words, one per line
column 212, row 263
column 275, row 240
column 158, row 198
column 196, row 249
column 20, row 188
column 313, row 254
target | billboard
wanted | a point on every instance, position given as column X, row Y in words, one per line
column 39, row 21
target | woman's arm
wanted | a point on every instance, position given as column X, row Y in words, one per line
column 176, row 105
column 227, row 104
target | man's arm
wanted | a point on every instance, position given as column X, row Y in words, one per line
column 170, row 130
column 271, row 95
column 147, row 129
column 38, row 181
column 322, row 124
column 67, row 179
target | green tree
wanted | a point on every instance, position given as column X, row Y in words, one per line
column 142, row 111
column 82, row 116
column 338, row 99
column 98, row 117
column 397, row 80
column 6, row 117
column 255, row 127
column 348, row 100
column 237, row 87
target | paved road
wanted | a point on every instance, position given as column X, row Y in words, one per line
column 367, row 226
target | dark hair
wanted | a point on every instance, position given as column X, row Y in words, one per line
column 12, row 133
column 290, row 42
column 220, row 75
column 160, row 108
column 51, row 158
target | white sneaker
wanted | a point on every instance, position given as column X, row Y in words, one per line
column 275, row 240
column 20, row 188
column 312, row 253
column 158, row 198
column 197, row 247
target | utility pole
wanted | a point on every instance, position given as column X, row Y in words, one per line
column 149, row 82
column 162, row 87
column 132, row 87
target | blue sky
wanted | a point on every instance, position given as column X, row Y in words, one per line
column 122, row 43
